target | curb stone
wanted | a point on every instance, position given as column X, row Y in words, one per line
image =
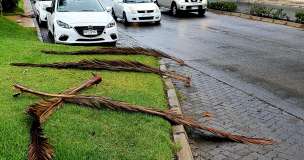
column 179, row 133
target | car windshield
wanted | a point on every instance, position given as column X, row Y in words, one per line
column 138, row 1
column 79, row 6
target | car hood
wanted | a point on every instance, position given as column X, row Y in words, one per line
column 48, row 3
column 142, row 6
column 85, row 18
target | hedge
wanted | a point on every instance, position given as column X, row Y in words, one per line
column 9, row 5
column 224, row 6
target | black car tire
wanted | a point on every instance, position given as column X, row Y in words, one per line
column 202, row 12
column 124, row 19
column 174, row 10
column 113, row 14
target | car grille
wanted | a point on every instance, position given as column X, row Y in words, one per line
column 145, row 11
column 90, row 40
column 80, row 29
column 145, row 18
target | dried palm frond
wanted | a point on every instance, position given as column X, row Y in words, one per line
column 114, row 65
column 94, row 101
column 45, row 107
column 120, row 50
column 39, row 148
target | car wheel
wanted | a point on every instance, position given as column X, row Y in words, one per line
column 201, row 12
column 38, row 20
column 124, row 19
column 54, row 36
column 174, row 10
column 113, row 14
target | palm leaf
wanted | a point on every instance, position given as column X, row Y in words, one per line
column 45, row 107
column 114, row 65
column 120, row 50
column 93, row 101
column 39, row 148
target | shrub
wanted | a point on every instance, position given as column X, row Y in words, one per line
column 278, row 14
column 225, row 6
column 9, row 5
column 300, row 17
column 261, row 11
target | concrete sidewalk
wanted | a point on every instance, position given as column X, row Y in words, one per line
column 25, row 21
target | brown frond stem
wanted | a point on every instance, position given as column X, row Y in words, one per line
column 93, row 101
column 39, row 148
column 120, row 50
column 114, row 65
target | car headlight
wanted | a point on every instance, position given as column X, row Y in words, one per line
column 156, row 9
column 111, row 24
column 132, row 10
column 63, row 25
column 44, row 7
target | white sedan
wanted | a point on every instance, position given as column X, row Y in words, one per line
column 40, row 9
column 136, row 11
column 81, row 21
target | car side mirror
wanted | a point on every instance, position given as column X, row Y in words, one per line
column 119, row 1
column 108, row 9
column 49, row 9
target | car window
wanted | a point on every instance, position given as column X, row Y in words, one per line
column 138, row 1
column 79, row 6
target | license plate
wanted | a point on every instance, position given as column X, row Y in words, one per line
column 89, row 32
column 146, row 15
column 194, row 7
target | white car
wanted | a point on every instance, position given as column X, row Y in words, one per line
column 136, row 11
column 40, row 9
column 178, row 6
column 80, row 21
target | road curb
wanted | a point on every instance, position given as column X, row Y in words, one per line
column 263, row 19
column 179, row 133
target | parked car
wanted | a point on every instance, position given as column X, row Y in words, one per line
column 178, row 6
column 80, row 21
column 40, row 10
column 136, row 11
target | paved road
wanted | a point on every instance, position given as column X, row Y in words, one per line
column 247, row 74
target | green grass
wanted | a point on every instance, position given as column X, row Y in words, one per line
column 18, row 10
column 118, row 134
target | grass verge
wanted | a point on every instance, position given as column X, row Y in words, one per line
column 78, row 132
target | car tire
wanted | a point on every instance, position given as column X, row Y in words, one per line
column 38, row 20
column 54, row 35
column 174, row 10
column 113, row 14
column 124, row 19
column 201, row 12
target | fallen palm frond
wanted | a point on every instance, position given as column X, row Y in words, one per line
column 115, row 65
column 120, row 50
column 45, row 107
column 39, row 148
column 94, row 101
